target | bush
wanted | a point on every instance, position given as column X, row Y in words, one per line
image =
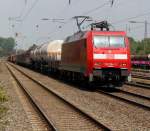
column 137, row 47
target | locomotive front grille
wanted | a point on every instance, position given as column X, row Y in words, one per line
column 110, row 74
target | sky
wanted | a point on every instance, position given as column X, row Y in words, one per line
column 24, row 17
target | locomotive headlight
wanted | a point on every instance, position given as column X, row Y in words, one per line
column 123, row 64
column 97, row 63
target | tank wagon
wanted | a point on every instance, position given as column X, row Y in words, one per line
column 12, row 58
column 140, row 61
column 47, row 56
column 23, row 58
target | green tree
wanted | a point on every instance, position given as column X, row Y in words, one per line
column 140, row 47
column 6, row 46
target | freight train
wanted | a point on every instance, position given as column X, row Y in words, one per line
column 101, row 56
column 140, row 61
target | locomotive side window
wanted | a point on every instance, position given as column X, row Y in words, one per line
column 109, row 41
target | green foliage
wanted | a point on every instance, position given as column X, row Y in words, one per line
column 140, row 47
column 6, row 46
column 3, row 96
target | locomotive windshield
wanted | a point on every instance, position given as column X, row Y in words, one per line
column 109, row 41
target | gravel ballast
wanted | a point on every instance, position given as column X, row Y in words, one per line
column 110, row 112
column 15, row 118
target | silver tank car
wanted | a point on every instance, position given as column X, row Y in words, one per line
column 48, row 54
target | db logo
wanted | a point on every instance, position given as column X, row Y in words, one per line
column 109, row 51
column 110, row 56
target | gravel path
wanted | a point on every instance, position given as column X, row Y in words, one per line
column 16, row 117
column 110, row 112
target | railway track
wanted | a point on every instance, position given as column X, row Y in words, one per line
column 141, row 70
column 126, row 102
column 68, row 115
column 140, row 79
column 32, row 100
column 139, row 84
column 134, row 94
column 141, row 75
column 130, row 98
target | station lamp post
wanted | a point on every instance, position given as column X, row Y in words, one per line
column 146, row 28
column 145, row 24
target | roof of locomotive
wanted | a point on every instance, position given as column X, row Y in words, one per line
column 109, row 32
column 77, row 36
column 83, row 34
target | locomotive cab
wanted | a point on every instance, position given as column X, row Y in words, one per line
column 111, row 56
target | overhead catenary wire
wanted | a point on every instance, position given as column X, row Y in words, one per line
column 21, row 17
column 96, row 8
column 86, row 13
column 25, row 1
column 54, row 30
column 69, row 20
column 57, row 16
column 59, row 27
column 132, row 17
column 30, row 10
column 22, row 11
column 18, row 18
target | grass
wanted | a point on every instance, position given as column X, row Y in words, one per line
column 3, row 96
column 3, row 109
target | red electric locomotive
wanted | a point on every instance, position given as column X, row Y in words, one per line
column 97, row 55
